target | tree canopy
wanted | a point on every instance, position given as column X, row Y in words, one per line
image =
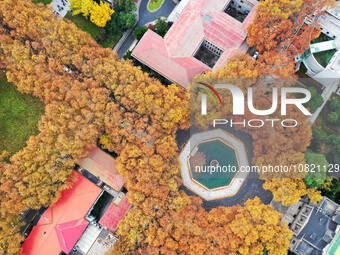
column 99, row 14
column 91, row 95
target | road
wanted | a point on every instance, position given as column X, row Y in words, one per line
column 144, row 17
column 250, row 188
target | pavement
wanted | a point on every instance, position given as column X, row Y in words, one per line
column 313, row 66
column 145, row 17
column 251, row 188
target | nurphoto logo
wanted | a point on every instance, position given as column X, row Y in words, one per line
column 238, row 106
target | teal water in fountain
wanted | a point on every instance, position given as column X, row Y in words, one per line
column 225, row 155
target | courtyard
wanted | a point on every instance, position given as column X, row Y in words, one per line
column 323, row 57
column 209, row 154
column 206, row 162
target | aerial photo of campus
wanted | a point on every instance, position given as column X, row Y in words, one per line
column 169, row 127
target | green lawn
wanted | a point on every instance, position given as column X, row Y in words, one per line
column 86, row 25
column 322, row 38
column 111, row 42
column 154, row 4
column 19, row 116
column 325, row 56
column 42, row 1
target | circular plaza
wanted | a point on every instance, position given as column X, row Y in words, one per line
column 210, row 164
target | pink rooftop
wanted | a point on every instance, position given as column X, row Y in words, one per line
column 114, row 214
column 102, row 165
column 172, row 56
column 60, row 227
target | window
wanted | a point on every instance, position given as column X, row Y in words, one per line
column 124, row 190
column 238, row 9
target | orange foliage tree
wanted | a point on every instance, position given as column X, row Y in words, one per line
column 90, row 94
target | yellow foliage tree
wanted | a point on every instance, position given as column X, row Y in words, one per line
column 314, row 195
column 99, row 14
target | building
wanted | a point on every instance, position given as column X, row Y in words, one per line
column 84, row 219
column 114, row 213
column 62, row 224
column 330, row 28
column 104, row 216
column 316, row 228
column 204, row 35
column 103, row 167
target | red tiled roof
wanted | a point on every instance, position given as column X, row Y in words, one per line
column 172, row 56
column 103, row 166
column 68, row 233
column 114, row 214
column 62, row 224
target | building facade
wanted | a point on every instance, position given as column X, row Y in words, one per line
column 316, row 228
column 204, row 35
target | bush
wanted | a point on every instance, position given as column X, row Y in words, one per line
column 333, row 145
column 318, row 139
column 315, row 179
column 333, row 106
column 139, row 32
column 162, row 27
column 333, row 118
column 316, row 99
column 120, row 22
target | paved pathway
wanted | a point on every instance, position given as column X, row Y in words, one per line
column 144, row 17
column 251, row 188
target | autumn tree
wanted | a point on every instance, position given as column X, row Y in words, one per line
column 90, row 96
column 53, row 60
column 192, row 230
column 280, row 25
column 99, row 14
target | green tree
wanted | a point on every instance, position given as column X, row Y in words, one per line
column 125, row 5
column 332, row 190
column 333, row 118
column 119, row 23
column 334, row 104
column 318, row 139
column 161, row 27
column 139, row 32
column 316, row 99
column 112, row 27
column 315, row 179
column 126, row 20
column 333, row 145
